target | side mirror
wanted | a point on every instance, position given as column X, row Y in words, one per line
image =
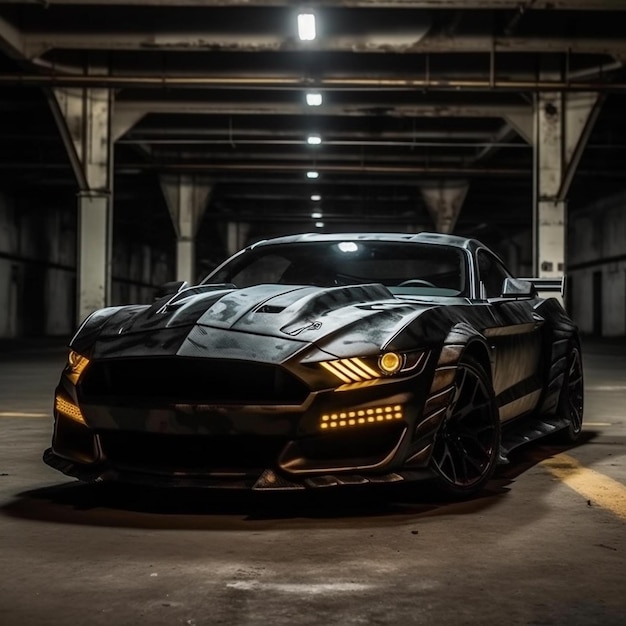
column 518, row 288
column 169, row 289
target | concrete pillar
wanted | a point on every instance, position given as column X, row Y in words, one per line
column 562, row 124
column 186, row 198
column 186, row 259
column 522, row 123
column 94, row 252
column 549, row 222
column 444, row 200
column 83, row 118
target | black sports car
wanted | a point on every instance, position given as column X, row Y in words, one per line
column 321, row 360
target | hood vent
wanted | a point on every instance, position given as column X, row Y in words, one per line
column 268, row 308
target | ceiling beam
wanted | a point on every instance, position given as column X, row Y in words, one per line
column 511, row 5
column 498, row 141
column 252, row 107
column 36, row 44
column 11, row 40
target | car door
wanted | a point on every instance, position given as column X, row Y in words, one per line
column 515, row 336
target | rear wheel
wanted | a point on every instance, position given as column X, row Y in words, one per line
column 467, row 444
column 571, row 398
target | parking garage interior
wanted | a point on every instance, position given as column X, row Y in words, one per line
column 145, row 141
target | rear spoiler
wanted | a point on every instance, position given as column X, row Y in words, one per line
column 548, row 284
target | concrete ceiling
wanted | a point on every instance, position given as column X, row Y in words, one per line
column 414, row 92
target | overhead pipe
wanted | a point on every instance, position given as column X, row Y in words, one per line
column 297, row 167
column 337, row 84
column 335, row 142
column 136, row 168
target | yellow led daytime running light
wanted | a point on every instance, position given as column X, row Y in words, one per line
column 69, row 409
column 348, row 419
column 363, row 367
column 352, row 370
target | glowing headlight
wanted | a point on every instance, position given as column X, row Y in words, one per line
column 390, row 362
column 76, row 364
column 366, row 370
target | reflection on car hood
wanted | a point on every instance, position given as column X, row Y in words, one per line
column 297, row 314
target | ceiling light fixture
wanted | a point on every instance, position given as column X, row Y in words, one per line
column 316, row 197
column 316, row 215
column 306, row 26
column 314, row 140
column 314, row 99
column 312, row 174
column 319, row 224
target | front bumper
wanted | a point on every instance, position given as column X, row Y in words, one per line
column 246, row 446
column 267, row 480
column 253, row 461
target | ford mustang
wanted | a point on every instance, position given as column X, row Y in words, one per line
column 318, row 360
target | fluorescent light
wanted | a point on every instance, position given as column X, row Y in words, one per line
column 316, row 197
column 312, row 174
column 314, row 140
column 306, row 26
column 314, row 99
column 350, row 246
column 319, row 224
column 316, row 215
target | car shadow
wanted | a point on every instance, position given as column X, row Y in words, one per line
column 128, row 506
column 118, row 505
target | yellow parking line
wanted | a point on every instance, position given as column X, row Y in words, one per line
column 597, row 488
column 598, row 424
column 22, row 414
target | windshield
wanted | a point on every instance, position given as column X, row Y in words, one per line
column 404, row 267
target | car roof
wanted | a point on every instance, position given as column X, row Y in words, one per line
column 423, row 237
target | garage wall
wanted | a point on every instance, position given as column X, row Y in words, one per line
column 8, row 269
column 37, row 271
column 516, row 253
column 38, row 268
column 137, row 269
column 597, row 267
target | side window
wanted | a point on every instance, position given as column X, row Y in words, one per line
column 491, row 274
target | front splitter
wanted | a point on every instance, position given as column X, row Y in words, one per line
column 262, row 480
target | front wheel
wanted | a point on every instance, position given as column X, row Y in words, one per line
column 467, row 444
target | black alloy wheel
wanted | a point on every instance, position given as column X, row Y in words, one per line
column 571, row 398
column 467, row 444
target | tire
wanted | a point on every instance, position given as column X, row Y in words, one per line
column 571, row 398
column 467, row 444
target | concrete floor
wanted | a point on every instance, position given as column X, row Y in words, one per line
column 545, row 544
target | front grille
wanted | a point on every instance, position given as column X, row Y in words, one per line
column 187, row 380
column 187, row 453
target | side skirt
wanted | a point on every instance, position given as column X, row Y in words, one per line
column 527, row 428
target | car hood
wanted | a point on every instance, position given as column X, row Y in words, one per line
column 253, row 323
